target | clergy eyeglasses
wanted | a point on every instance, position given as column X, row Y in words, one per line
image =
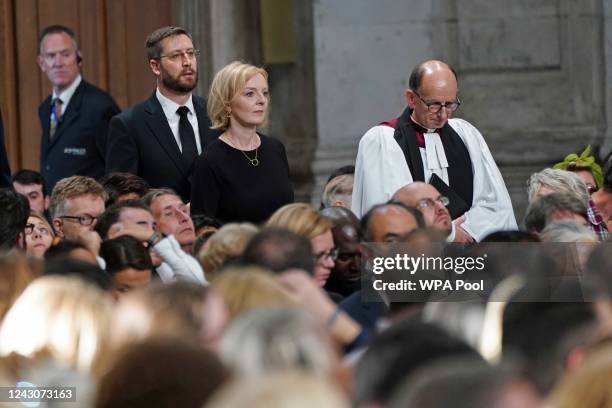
column 434, row 107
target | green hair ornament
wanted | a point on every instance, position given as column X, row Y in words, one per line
column 584, row 161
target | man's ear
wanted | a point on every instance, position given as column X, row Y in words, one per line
column 410, row 98
column 21, row 242
column 46, row 203
column 58, row 226
column 41, row 63
column 154, row 65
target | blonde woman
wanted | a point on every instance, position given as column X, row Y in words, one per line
column 39, row 235
column 304, row 220
column 64, row 316
column 244, row 175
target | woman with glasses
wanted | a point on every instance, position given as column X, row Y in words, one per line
column 244, row 175
column 304, row 220
column 39, row 235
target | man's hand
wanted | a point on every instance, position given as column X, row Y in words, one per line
column 461, row 235
column 138, row 231
column 91, row 239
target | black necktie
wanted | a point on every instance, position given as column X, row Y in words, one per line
column 190, row 150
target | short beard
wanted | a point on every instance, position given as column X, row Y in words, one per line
column 176, row 85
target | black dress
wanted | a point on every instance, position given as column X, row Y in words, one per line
column 225, row 184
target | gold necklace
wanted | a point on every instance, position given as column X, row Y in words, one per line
column 254, row 161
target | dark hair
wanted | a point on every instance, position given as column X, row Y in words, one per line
column 153, row 41
column 340, row 171
column 125, row 252
column 56, row 29
column 13, row 217
column 365, row 220
column 61, row 264
column 279, row 249
column 63, row 248
column 340, row 216
column 416, row 76
column 112, row 214
column 511, row 236
column 539, row 211
column 161, row 372
column 118, row 184
column 201, row 220
column 27, row 177
column 399, row 351
column 543, row 333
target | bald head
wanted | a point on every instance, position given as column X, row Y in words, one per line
column 431, row 82
column 390, row 223
column 425, row 198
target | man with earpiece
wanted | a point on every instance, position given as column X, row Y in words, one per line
column 74, row 118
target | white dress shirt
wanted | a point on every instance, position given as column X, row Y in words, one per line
column 170, row 107
column 66, row 94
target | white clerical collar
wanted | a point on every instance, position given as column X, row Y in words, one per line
column 67, row 93
column 170, row 107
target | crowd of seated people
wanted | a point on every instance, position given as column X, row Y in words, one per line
column 113, row 288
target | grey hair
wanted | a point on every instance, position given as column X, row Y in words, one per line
column 268, row 340
column 567, row 231
column 561, row 181
column 338, row 188
column 155, row 193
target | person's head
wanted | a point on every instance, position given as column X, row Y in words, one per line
column 173, row 60
column 65, row 316
column 293, row 389
column 306, row 221
column 432, row 93
column 238, row 96
column 72, row 250
column 176, row 310
column 164, row 373
column 603, row 196
column 133, row 211
column 226, row 245
column 425, row 198
column 123, row 186
column 347, row 237
column 556, row 181
column 568, row 231
column 554, row 207
column 31, row 184
column 13, row 219
column 39, row 235
column 398, row 352
column 171, row 215
column 76, row 204
column 338, row 192
column 390, row 222
column 585, row 167
column 276, row 339
column 128, row 262
column 246, row 288
column 204, row 223
column 15, row 275
column 59, row 56
column 279, row 250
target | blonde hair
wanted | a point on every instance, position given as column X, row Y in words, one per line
column 247, row 288
column 227, row 83
column 72, row 187
column 300, row 218
column 279, row 390
column 229, row 241
column 64, row 316
column 44, row 221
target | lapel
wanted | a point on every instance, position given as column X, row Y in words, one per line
column 44, row 114
column 203, row 122
column 72, row 113
column 158, row 125
column 461, row 178
column 405, row 137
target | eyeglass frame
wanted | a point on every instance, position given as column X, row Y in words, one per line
column 29, row 229
column 431, row 203
column 80, row 218
column 333, row 254
column 182, row 54
column 440, row 105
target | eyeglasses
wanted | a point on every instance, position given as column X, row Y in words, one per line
column 30, row 228
column 429, row 203
column 178, row 56
column 591, row 188
column 434, row 107
column 333, row 254
column 86, row 219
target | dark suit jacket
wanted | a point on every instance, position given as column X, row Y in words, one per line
column 140, row 142
column 5, row 171
column 79, row 145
